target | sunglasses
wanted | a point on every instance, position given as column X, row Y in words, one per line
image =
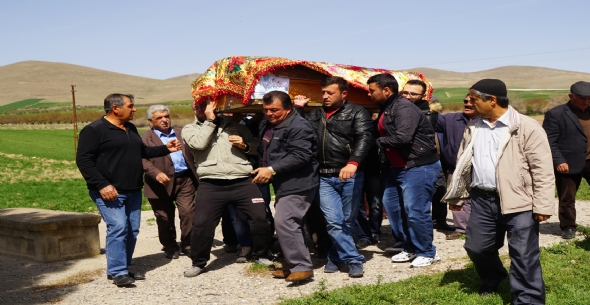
column 410, row 93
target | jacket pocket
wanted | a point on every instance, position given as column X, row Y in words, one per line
column 208, row 163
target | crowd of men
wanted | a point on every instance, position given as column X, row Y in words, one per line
column 497, row 170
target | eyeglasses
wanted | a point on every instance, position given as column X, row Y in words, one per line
column 410, row 93
column 465, row 101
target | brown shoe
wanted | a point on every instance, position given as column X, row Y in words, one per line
column 281, row 273
column 299, row 276
column 454, row 235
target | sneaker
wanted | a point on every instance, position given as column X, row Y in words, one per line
column 355, row 270
column 265, row 261
column 403, row 257
column 245, row 255
column 454, row 235
column 194, row 271
column 396, row 248
column 331, row 267
column 422, row 261
column 363, row 243
column 568, row 233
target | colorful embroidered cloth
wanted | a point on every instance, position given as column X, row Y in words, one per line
column 238, row 75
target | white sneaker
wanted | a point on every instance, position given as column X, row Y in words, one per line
column 422, row 261
column 403, row 257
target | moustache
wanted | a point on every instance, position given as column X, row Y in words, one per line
column 470, row 107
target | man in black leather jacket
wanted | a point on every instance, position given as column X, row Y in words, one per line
column 344, row 140
column 415, row 90
column 408, row 140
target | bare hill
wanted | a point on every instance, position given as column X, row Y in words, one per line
column 51, row 81
column 38, row 79
column 521, row 77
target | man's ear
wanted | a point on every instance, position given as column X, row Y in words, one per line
column 493, row 100
column 344, row 94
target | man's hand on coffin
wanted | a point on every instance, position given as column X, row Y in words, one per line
column 300, row 100
column 210, row 110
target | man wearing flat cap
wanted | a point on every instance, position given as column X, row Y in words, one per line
column 568, row 129
column 504, row 165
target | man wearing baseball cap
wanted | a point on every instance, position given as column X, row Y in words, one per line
column 504, row 165
column 568, row 129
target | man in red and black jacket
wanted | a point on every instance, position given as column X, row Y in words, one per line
column 408, row 139
column 344, row 140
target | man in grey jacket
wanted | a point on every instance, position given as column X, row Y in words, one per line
column 220, row 148
column 504, row 165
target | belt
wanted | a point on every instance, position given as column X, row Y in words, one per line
column 485, row 192
column 186, row 173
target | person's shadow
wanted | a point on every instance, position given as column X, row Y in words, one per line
column 469, row 282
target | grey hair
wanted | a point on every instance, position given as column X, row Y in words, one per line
column 503, row 101
column 116, row 99
column 156, row 108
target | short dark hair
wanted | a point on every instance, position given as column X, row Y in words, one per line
column 341, row 82
column 285, row 99
column 384, row 80
column 417, row 82
column 116, row 99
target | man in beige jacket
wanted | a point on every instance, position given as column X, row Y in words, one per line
column 504, row 165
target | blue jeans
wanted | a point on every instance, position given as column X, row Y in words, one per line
column 407, row 200
column 339, row 201
column 122, row 217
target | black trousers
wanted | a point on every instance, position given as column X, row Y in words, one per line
column 486, row 229
column 567, row 187
column 439, row 209
column 213, row 196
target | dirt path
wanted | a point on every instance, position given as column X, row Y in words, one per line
column 225, row 283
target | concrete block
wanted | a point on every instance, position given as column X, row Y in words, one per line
column 48, row 236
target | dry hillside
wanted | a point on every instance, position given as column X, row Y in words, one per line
column 38, row 79
column 521, row 77
column 51, row 81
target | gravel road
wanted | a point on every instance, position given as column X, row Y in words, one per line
column 225, row 283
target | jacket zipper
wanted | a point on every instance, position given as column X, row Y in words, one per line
column 324, row 139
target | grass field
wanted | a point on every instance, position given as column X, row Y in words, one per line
column 565, row 272
column 20, row 104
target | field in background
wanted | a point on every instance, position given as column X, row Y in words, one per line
column 526, row 102
column 34, row 111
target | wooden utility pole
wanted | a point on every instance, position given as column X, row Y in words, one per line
column 74, row 120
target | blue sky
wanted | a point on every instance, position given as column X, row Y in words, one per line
column 163, row 39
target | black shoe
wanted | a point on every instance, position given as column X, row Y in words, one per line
column 363, row 243
column 568, row 233
column 231, row 248
column 123, row 280
column 443, row 226
column 172, row 254
column 138, row 276
column 486, row 290
column 186, row 252
column 375, row 238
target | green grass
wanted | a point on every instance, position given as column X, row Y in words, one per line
column 53, row 104
column 456, row 95
column 20, row 104
column 49, row 144
column 565, row 271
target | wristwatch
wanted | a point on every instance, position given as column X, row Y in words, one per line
column 272, row 171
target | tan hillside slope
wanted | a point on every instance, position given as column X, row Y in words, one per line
column 38, row 79
column 521, row 77
column 51, row 81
